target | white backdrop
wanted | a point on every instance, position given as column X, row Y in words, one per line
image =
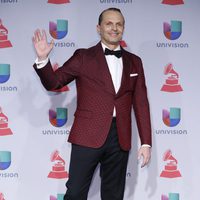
column 28, row 139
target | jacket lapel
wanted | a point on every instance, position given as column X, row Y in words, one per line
column 125, row 73
column 104, row 75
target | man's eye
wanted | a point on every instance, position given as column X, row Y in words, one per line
column 120, row 25
column 109, row 24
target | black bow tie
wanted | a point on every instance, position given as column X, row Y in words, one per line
column 117, row 53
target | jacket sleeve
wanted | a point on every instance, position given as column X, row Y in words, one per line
column 70, row 70
column 141, row 106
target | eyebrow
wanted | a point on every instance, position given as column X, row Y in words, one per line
column 119, row 22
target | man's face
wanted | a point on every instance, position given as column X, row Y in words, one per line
column 111, row 28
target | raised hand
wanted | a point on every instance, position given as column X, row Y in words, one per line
column 41, row 45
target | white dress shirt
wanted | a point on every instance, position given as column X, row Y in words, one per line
column 115, row 67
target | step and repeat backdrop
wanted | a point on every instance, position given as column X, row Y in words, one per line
column 35, row 124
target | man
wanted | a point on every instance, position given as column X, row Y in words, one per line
column 107, row 88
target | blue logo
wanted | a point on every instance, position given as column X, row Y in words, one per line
column 58, row 118
column 172, row 31
column 59, row 30
column 5, row 160
column 4, row 72
column 171, row 118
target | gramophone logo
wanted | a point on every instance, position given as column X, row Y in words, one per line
column 58, row 1
column 5, row 160
column 172, row 117
column 171, row 196
column 172, row 31
column 173, row 2
column 58, row 30
column 63, row 89
column 1, row 196
column 123, row 43
column 4, row 42
column 4, row 73
column 58, row 169
column 170, row 169
column 58, row 118
column 172, row 82
column 59, row 197
column 4, row 130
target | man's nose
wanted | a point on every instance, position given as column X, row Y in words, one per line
column 114, row 27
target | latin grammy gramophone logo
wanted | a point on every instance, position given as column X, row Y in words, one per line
column 4, row 129
column 58, row 1
column 63, row 89
column 1, row 196
column 58, row 169
column 170, row 169
column 123, row 43
column 4, row 42
column 173, row 2
column 172, row 82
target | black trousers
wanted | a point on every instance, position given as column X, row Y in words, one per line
column 113, row 164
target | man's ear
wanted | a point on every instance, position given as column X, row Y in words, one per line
column 98, row 28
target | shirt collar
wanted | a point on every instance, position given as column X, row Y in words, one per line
column 104, row 46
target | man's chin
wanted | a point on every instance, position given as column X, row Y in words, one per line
column 116, row 42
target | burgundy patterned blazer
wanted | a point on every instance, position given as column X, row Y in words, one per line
column 96, row 96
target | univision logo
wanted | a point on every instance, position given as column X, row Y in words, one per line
column 58, row 30
column 4, row 72
column 5, row 160
column 59, row 197
column 172, row 117
column 172, row 196
column 58, row 118
column 172, row 31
